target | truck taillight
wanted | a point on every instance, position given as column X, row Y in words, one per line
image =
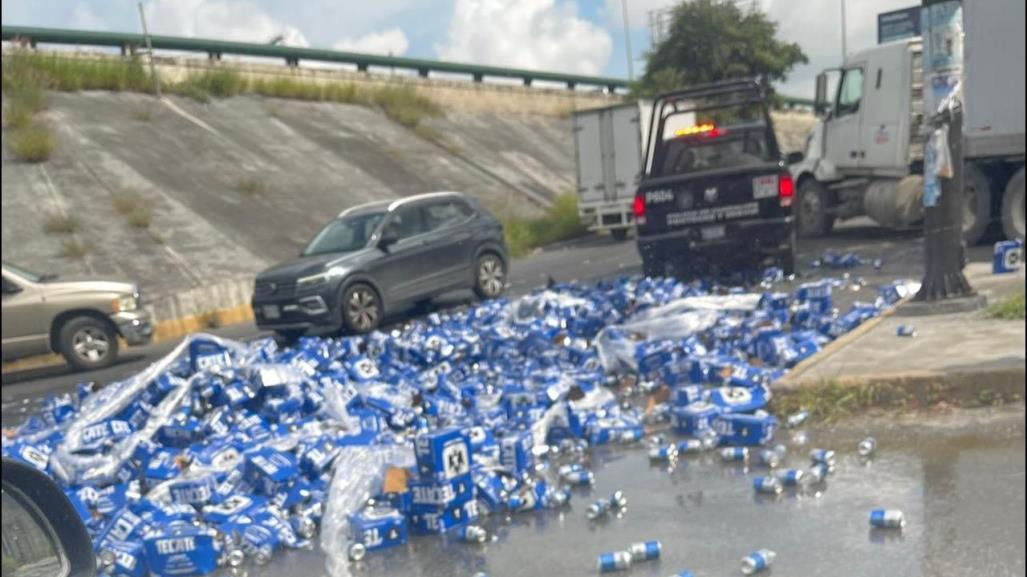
column 785, row 190
column 639, row 209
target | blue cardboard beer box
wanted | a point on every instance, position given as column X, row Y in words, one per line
column 428, row 496
column 740, row 399
column 695, row 418
column 269, row 469
column 205, row 354
column 442, row 455
column 1008, row 256
column 129, row 559
column 379, row 527
column 443, row 520
column 183, row 549
column 515, row 452
column 737, row 429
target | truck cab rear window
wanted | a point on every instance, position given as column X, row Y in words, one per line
column 710, row 134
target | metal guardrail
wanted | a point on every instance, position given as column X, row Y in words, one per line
column 129, row 42
column 214, row 49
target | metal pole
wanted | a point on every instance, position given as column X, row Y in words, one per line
column 627, row 39
column 844, row 49
column 944, row 252
column 149, row 50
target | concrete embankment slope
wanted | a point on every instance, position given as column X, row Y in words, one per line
column 234, row 185
column 237, row 184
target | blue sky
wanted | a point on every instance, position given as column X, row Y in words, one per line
column 581, row 36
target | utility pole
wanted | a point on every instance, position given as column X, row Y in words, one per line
column 844, row 49
column 627, row 39
column 943, row 197
column 149, row 51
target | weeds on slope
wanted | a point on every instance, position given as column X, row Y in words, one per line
column 402, row 104
column 24, row 87
column 560, row 222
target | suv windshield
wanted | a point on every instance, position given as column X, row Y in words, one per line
column 28, row 275
column 344, row 234
column 708, row 134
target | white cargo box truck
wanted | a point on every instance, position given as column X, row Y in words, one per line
column 608, row 151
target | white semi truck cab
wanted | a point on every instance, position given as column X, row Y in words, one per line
column 864, row 156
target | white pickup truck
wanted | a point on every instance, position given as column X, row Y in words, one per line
column 865, row 154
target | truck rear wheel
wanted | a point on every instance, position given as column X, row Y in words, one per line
column 977, row 207
column 812, row 218
column 619, row 234
column 1013, row 207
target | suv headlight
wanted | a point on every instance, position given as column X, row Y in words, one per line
column 316, row 280
column 312, row 281
column 126, row 303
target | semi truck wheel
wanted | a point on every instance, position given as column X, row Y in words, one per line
column 1013, row 207
column 812, row 218
column 977, row 207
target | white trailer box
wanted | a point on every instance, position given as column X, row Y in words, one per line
column 608, row 150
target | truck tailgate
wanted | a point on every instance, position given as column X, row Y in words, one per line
column 712, row 198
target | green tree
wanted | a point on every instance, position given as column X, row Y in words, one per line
column 713, row 40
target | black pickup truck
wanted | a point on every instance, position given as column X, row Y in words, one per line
column 715, row 194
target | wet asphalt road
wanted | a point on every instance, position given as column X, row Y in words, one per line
column 960, row 485
column 959, row 480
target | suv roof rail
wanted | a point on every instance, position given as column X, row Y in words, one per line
column 393, row 205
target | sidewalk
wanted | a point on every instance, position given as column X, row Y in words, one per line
column 959, row 355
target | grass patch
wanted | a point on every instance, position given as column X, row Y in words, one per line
column 60, row 224
column 831, row 400
column 213, row 83
column 156, row 238
column 139, row 218
column 33, row 143
column 23, row 102
column 131, row 206
column 72, row 248
column 142, row 113
column 250, row 185
column 1010, row 308
column 403, row 105
column 560, row 222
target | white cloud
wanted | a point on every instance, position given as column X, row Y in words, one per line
column 83, row 17
column 222, row 19
column 392, row 41
column 533, row 34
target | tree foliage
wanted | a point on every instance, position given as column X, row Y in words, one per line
column 713, row 40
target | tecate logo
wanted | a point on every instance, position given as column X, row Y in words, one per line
column 658, row 196
column 171, row 546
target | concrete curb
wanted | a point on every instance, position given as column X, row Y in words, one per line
column 980, row 387
column 794, row 376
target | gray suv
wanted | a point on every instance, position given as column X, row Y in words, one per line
column 375, row 258
column 81, row 319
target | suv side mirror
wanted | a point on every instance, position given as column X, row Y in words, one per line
column 794, row 157
column 51, row 535
column 820, row 99
column 390, row 236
